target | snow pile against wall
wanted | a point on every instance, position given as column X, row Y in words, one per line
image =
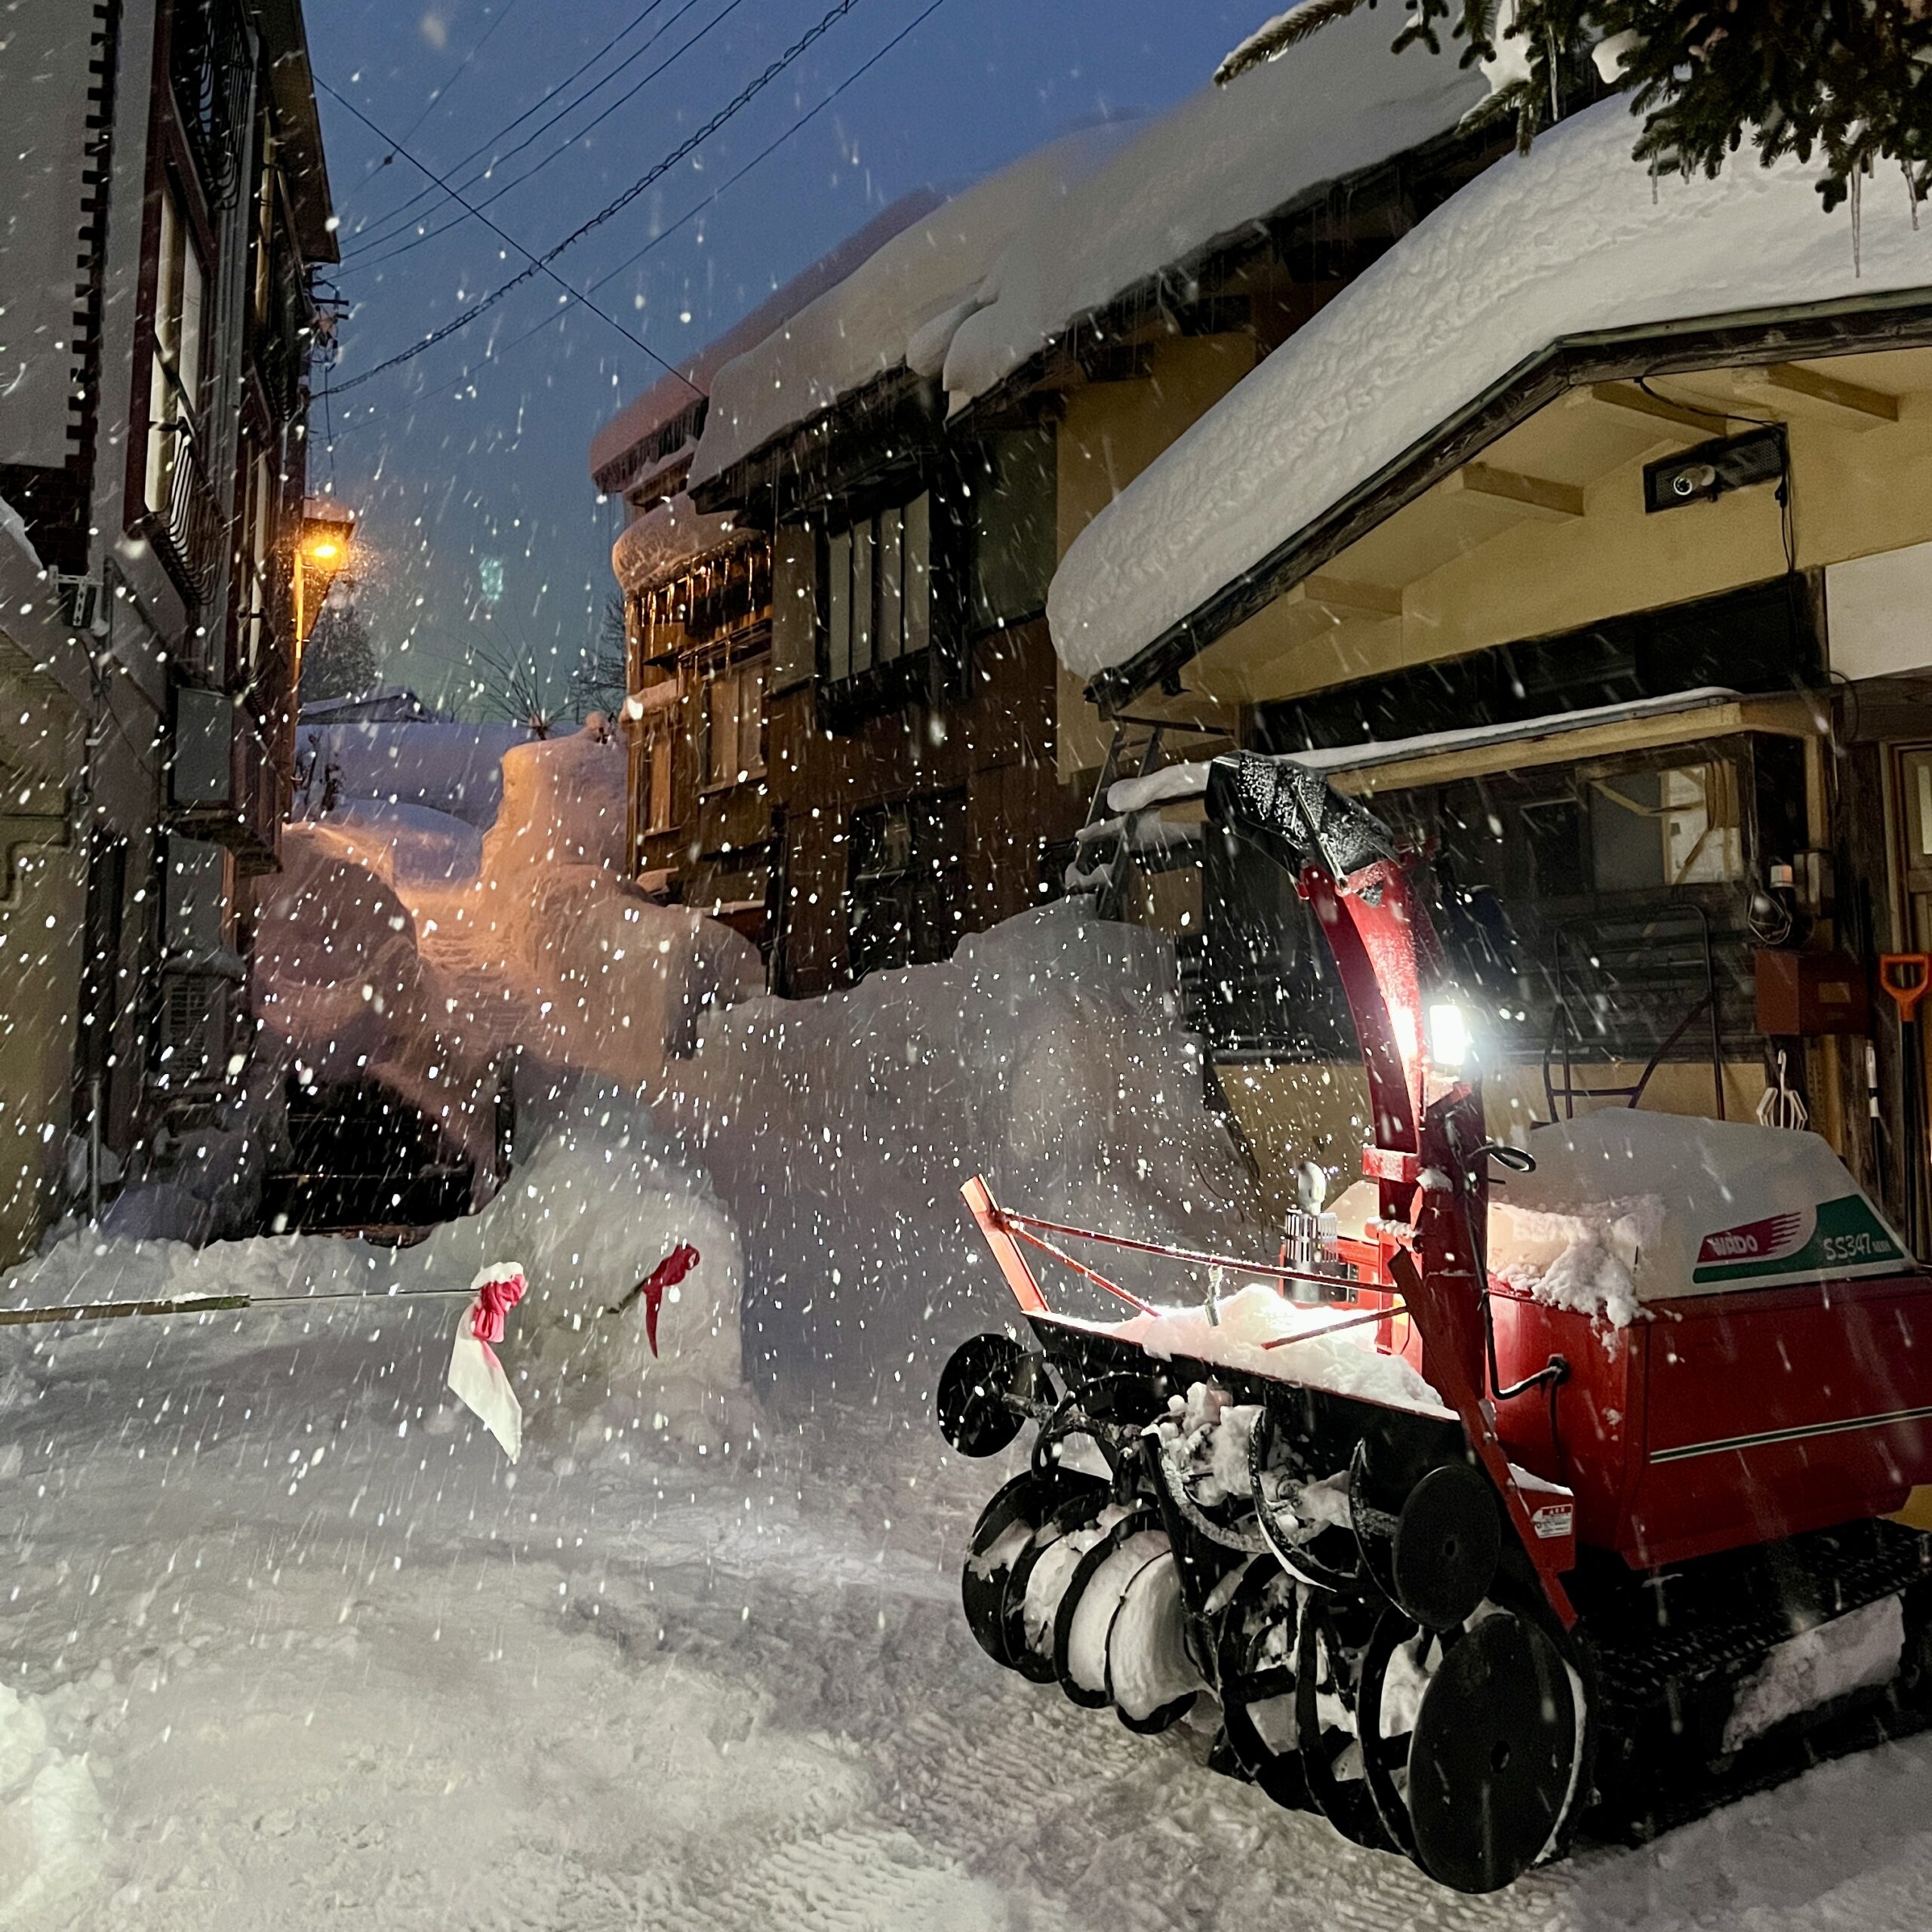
column 926, row 277
column 1226, row 158
column 1573, row 237
column 52, row 1828
column 376, row 956
column 1046, row 1054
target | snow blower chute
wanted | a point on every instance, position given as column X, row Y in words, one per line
column 1477, row 1520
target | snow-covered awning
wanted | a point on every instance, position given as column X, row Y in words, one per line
column 897, row 310
column 1226, row 158
column 1572, row 242
column 1708, row 711
column 669, row 539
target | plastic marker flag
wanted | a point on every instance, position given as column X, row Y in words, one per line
column 476, row 1375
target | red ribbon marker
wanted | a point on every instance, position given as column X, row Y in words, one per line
column 668, row 1273
column 496, row 1296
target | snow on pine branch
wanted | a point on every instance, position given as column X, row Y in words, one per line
column 1854, row 81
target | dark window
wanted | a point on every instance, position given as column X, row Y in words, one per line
column 904, row 904
column 1270, row 987
column 1015, row 530
column 1759, row 640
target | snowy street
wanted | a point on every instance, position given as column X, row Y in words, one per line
column 324, row 1664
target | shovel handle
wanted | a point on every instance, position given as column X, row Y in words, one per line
column 1906, row 978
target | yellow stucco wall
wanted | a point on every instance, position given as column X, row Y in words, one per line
column 1473, row 573
column 43, row 902
column 1109, row 434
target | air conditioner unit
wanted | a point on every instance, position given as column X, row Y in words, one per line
column 203, row 773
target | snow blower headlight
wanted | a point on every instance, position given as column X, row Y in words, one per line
column 1448, row 1035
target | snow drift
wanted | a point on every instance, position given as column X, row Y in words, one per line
column 1047, row 1054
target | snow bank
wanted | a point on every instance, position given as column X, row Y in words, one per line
column 1046, row 1054
column 375, row 955
column 598, row 1202
column 1574, row 237
column 1225, row 159
column 930, row 272
column 52, row 1825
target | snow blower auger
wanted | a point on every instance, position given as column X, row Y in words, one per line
column 1470, row 1549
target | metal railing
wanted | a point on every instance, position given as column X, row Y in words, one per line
column 212, row 69
column 188, row 536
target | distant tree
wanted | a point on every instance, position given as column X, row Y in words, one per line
column 1850, row 80
column 339, row 661
column 509, row 688
column 602, row 678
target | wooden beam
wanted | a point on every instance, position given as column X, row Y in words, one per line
column 1701, row 423
column 1854, row 398
column 1534, row 493
column 1374, row 600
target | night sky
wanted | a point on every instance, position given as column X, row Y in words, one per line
column 477, row 449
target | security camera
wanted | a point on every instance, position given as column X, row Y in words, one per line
column 1695, row 481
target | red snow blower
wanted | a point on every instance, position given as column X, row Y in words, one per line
column 1522, row 1494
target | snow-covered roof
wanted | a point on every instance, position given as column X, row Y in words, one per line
column 1226, row 158
column 1575, row 238
column 671, row 395
column 668, row 538
column 898, row 309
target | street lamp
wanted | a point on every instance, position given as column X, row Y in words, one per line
column 321, row 552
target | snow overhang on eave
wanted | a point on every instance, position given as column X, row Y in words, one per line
column 1849, row 326
column 291, row 85
column 849, row 448
column 1567, row 265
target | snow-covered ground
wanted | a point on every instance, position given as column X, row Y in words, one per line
column 288, row 1645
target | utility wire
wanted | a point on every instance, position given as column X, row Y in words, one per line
column 441, row 94
column 691, row 214
column 540, row 264
column 536, row 107
column 535, row 266
column 730, row 181
column 363, row 260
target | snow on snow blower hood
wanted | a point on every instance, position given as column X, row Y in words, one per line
column 1627, row 1207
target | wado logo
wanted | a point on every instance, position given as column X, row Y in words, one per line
column 1769, row 1240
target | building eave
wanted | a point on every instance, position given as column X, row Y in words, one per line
column 1901, row 319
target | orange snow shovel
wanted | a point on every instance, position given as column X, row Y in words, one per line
column 1906, row 978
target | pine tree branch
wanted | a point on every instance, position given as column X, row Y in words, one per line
column 1268, row 41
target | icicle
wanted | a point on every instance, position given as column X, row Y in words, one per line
column 1857, row 264
column 1911, row 192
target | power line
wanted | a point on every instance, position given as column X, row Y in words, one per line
column 441, row 94
column 536, row 107
column 731, row 181
column 535, row 266
column 764, row 154
column 540, row 264
column 364, row 260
